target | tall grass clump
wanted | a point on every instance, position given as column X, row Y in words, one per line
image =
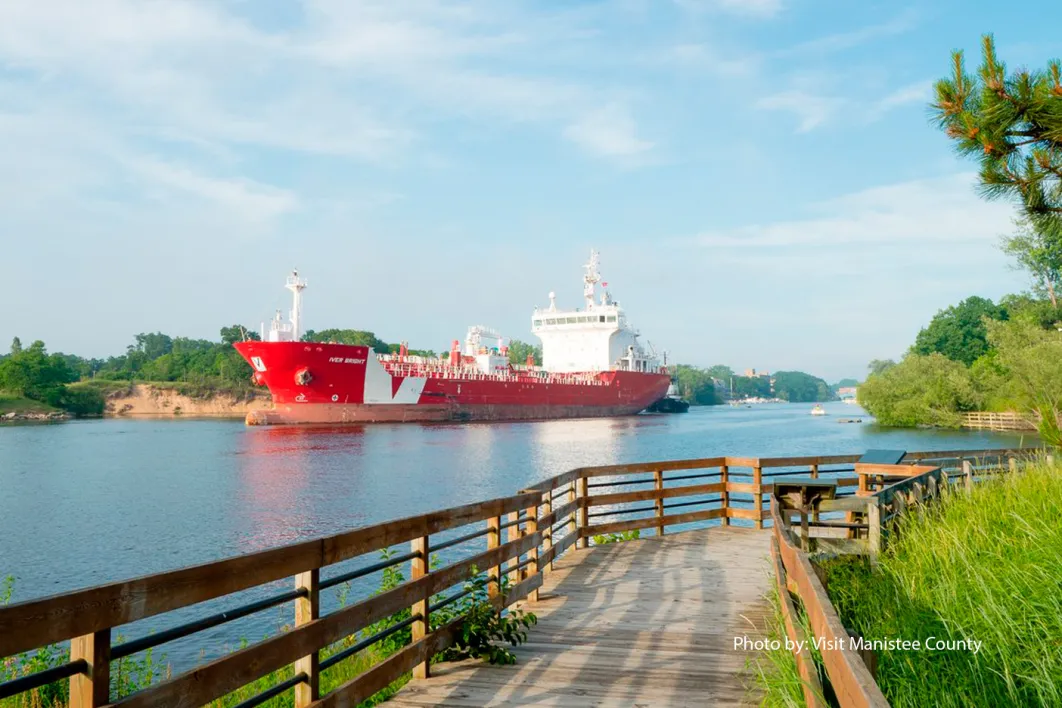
column 776, row 679
column 983, row 566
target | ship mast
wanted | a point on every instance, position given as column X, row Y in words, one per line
column 296, row 285
column 590, row 279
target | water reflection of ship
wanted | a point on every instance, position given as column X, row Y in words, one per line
column 276, row 482
column 562, row 445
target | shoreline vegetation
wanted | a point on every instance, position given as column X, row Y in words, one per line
column 979, row 573
column 160, row 375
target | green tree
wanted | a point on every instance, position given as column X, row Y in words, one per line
column 958, row 332
column 880, row 366
column 152, row 345
column 1040, row 254
column 1012, row 125
column 237, row 333
column 695, row 386
column 519, row 351
column 1029, row 360
column 721, row 372
column 798, row 387
column 16, row 346
column 921, row 390
column 354, row 337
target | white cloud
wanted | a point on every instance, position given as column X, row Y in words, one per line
column 812, row 110
column 919, row 92
column 838, row 41
column 609, row 131
column 945, row 209
column 250, row 200
column 704, row 57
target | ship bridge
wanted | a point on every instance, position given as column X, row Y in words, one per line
column 594, row 338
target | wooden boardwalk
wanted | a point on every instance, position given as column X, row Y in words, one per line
column 640, row 623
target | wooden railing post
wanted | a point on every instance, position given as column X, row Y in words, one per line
column 967, row 473
column 530, row 528
column 584, row 513
column 572, row 525
column 308, row 609
column 547, row 533
column 493, row 541
column 658, row 485
column 421, row 627
column 92, row 688
column 513, row 535
column 873, row 529
column 724, row 479
column 757, row 481
column 1013, row 464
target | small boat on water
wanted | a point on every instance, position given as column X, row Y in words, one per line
column 818, row 410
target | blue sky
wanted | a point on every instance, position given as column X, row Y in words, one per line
column 760, row 176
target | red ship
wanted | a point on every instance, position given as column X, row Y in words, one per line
column 592, row 366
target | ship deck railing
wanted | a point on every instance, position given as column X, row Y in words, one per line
column 672, row 598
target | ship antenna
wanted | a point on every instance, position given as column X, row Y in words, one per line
column 296, row 285
column 591, row 278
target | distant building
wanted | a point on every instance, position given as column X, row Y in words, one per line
column 752, row 373
column 847, row 391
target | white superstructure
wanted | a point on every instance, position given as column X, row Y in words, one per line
column 595, row 338
column 279, row 330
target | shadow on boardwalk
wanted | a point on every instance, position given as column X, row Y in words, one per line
column 640, row 623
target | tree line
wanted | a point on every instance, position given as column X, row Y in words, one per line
column 715, row 384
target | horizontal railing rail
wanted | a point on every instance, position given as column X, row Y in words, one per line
column 514, row 540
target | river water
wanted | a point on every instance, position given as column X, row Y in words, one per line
column 87, row 502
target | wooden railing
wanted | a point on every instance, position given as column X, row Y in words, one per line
column 540, row 524
column 1006, row 421
column 885, row 493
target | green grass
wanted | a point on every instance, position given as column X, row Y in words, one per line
column 777, row 682
column 984, row 566
column 10, row 403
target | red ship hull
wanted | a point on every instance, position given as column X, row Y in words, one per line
column 339, row 383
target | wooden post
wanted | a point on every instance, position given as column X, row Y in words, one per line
column 421, row 627
column 572, row 526
column 967, row 473
column 547, row 532
column 757, row 481
column 1050, row 460
column 513, row 535
column 584, row 513
column 493, row 541
column 724, row 477
column 308, row 609
column 658, row 480
column 530, row 528
column 815, row 471
column 873, row 529
column 92, row 688
column 1013, row 464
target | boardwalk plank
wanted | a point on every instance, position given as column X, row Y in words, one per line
column 641, row 623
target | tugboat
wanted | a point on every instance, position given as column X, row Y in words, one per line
column 671, row 403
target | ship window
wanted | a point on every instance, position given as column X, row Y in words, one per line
column 571, row 320
column 601, row 319
column 611, row 318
